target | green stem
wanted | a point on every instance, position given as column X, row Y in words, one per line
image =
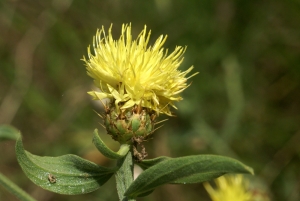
column 14, row 189
column 124, row 176
column 124, row 148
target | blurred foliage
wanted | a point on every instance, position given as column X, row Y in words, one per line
column 245, row 102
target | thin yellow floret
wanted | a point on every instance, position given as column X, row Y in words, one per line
column 229, row 188
column 133, row 73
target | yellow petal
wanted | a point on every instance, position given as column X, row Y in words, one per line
column 132, row 72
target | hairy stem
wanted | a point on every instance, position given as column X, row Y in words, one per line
column 124, row 176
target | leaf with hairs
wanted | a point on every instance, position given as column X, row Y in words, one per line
column 185, row 170
column 67, row 174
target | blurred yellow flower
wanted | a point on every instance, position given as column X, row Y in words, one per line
column 132, row 73
column 230, row 188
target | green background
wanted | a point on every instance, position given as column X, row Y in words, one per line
column 244, row 103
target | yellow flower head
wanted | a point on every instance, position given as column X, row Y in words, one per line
column 230, row 188
column 131, row 72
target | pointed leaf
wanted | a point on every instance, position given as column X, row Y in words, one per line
column 67, row 174
column 101, row 146
column 8, row 132
column 185, row 170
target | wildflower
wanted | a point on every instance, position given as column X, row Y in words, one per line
column 140, row 80
column 130, row 72
column 230, row 188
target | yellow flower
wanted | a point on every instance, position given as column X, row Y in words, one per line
column 132, row 73
column 230, row 188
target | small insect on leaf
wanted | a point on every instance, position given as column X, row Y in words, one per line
column 51, row 178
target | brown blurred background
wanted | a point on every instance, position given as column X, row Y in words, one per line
column 245, row 103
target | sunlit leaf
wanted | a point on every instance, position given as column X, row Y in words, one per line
column 185, row 170
column 67, row 174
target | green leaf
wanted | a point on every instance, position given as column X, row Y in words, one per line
column 145, row 164
column 8, row 132
column 100, row 145
column 185, row 170
column 67, row 174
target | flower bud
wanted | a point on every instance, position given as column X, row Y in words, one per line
column 126, row 124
